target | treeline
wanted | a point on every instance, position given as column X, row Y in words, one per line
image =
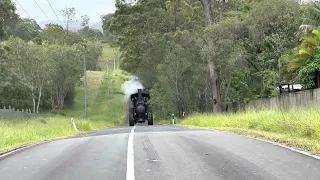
column 215, row 55
column 40, row 68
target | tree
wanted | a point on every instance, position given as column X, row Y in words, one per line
column 69, row 16
column 311, row 17
column 65, row 72
column 94, row 50
column 27, row 29
column 53, row 34
column 13, row 90
column 8, row 18
column 195, row 54
column 90, row 34
column 85, row 19
column 110, row 37
column 32, row 65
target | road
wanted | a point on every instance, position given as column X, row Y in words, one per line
column 158, row 153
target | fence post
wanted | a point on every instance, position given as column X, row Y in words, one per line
column 74, row 124
column 173, row 119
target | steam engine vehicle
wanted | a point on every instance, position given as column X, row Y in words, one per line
column 140, row 110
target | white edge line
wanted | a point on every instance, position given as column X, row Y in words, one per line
column 20, row 149
column 270, row 142
column 130, row 156
column 290, row 148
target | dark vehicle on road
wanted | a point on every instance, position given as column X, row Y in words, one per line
column 140, row 110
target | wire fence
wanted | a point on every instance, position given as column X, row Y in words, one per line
column 12, row 113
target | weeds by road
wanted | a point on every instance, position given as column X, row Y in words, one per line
column 300, row 129
column 15, row 133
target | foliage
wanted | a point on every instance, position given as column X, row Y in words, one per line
column 311, row 17
column 308, row 72
column 109, row 37
column 43, row 77
column 27, row 29
column 69, row 15
column 8, row 18
column 13, row 90
column 90, row 34
column 170, row 47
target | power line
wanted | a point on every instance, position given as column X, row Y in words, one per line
column 23, row 9
column 42, row 10
column 53, row 10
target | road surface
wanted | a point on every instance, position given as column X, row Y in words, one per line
column 158, row 153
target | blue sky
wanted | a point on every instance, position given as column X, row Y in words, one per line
column 93, row 8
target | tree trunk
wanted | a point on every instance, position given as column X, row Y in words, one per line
column 214, row 75
column 52, row 100
column 215, row 87
column 175, row 8
column 33, row 99
column 206, row 8
column 223, row 6
column 39, row 99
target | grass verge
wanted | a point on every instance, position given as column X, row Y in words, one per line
column 300, row 129
column 15, row 133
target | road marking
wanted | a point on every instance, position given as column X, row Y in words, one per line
column 130, row 156
column 20, row 149
column 290, row 148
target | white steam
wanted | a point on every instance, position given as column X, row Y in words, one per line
column 131, row 86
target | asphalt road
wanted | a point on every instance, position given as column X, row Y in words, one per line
column 158, row 153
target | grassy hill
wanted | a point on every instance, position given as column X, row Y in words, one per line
column 107, row 57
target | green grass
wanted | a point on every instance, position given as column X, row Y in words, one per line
column 15, row 133
column 300, row 129
column 109, row 105
column 107, row 55
column 95, row 79
column 105, row 99
column 163, row 122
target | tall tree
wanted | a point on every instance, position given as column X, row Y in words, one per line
column 85, row 20
column 69, row 15
column 26, row 29
column 210, row 18
column 8, row 18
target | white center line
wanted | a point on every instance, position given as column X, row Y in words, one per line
column 130, row 156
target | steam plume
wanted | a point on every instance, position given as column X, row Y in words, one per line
column 131, row 86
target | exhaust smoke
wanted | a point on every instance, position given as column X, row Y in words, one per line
column 131, row 86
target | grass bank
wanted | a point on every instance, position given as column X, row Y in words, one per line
column 107, row 57
column 106, row 109
column 15, row 133
column 300, row 129
column 105, row 98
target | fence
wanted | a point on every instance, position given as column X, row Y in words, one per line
column 11, row 113
column 288, row 101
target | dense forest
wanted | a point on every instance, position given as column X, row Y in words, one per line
column 39, row 68
column 216, row 55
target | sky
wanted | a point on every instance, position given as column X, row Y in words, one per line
column 93, row 8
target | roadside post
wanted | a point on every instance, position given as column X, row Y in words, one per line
column 74, row 124
column 172, row 118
